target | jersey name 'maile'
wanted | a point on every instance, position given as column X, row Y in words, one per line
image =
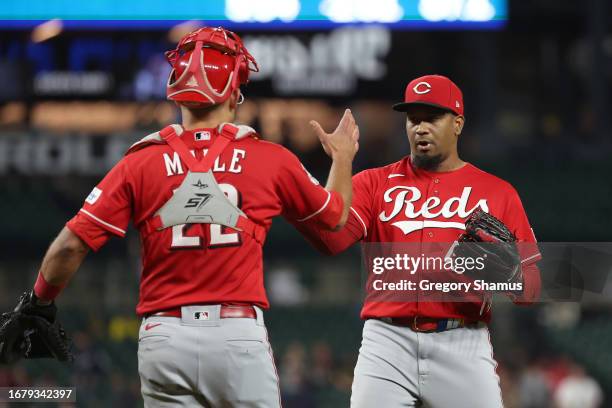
column 174, row 166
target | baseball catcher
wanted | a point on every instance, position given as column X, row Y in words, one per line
column 32, row 330
column 196, row 194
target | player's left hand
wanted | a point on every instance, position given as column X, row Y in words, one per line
column 31, row 330
column 488, row 238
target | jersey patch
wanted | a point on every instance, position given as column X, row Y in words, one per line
column 201, row 315
column 93, row 196
column 203, row 135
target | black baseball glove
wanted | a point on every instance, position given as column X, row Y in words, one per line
column 32, row 331
column 488, row 238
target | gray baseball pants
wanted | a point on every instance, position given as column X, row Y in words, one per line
column 399, row 368
column 201, row 360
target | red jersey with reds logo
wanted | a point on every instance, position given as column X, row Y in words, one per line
column 203, row 263
column 402, row 204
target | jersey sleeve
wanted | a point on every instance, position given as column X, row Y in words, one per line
column 364, row 188
column 303, row 198
column 107, row 209
column 332, row 242
column 356, row 227
column 516, row 219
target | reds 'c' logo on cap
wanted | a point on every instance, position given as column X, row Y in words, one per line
column 422, row 88
column 432, row 90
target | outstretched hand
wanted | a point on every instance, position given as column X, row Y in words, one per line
column 343, row 143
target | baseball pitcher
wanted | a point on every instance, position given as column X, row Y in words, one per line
column 434, row 353
column 202, row 196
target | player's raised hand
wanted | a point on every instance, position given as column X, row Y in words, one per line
column 343, row 143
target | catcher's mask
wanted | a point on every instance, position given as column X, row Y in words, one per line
column 207, row 65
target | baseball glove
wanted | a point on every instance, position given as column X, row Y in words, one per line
column 32, row 331
column 488, row 238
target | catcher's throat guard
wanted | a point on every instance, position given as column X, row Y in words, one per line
column 199, row 199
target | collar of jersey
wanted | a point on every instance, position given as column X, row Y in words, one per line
column 155, row 138
column 433, row 174
column 243, row 130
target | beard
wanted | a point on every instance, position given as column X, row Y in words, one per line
column 425, row 162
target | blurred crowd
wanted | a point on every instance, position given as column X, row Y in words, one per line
column 555, row 382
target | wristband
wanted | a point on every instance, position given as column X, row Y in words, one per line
column 44, row 290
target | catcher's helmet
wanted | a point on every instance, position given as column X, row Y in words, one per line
column 207, row 65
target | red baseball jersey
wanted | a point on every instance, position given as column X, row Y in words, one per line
column 203, row 263
column 399, row 203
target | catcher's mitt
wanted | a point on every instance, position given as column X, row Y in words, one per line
column 32, row 331
column 488, row 238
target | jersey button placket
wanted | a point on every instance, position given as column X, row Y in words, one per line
column 432, row 191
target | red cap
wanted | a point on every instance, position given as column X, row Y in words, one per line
column 432, row 90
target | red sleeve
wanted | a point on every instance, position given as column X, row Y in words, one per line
column 332, row 242
column 532, row 285
column 91, row 233
column 516, row 219
column 356, row 227
column 107, row 209
column 304, row 199
column 364, row 187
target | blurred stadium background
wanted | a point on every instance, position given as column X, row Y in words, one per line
column 537, row 81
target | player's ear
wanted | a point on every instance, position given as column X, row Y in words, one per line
column 458, row 124
column 234, row 99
